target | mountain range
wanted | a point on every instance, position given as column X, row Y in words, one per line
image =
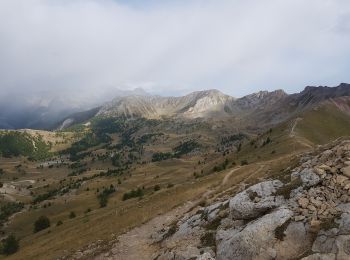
column 262, row 108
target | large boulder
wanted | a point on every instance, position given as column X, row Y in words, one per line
column 256, row 240
column 308, row 177
column 256, row 200
column 294, row 241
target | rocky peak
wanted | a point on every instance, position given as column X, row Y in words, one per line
column 313, row 95
column 261, row 98
column 195, row 104
column 263, row 106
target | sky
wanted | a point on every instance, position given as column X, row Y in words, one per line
column 88, row 47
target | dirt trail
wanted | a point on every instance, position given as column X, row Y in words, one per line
column 228, row 175
column 138, row 243
column 292, row 133
column 298, row 138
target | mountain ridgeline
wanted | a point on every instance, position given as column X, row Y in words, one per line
column 259, row 109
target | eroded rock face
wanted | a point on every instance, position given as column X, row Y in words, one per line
column 256, row 200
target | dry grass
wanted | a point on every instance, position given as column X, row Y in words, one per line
column 119, row 216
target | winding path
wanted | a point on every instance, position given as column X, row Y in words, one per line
column 292, row 133
column 139, row 243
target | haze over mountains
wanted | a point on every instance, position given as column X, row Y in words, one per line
column 43, row 110
column 263, row 107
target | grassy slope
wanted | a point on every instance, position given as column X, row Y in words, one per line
column 318, row 126
column 324, row 124
column 120, row 215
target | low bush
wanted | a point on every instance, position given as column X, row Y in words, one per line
column 133, row 194
column 9, row 245
column 41, row 223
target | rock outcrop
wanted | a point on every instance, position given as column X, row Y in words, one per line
column 307, row 217
column 255, row 200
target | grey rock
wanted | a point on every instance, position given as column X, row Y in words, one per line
column 344, row 224
column 325, row 241
column 308, row 177
column 346, row 171
column 256, row 240
column 212, row 211
column 296, row 241
column 189, row 225
column 206, row 256
column 244, row 206
column 344, row 207
column 342, row 244
column 166, row 256
column 318, row 256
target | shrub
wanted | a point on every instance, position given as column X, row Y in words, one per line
column 41, row 223
column 72, row 214
column 244, row 162
column 186, row 147
column 10, row 245
column 156, row 187
column 267, row 141
column 221, row 167
column 59, row 223
column 133, row 194
column 103, row 196
column 208, row 239
column 9, row 209
column 239, row 147
column 161, row 156
column 171, row 231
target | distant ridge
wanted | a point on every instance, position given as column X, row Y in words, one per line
column 261, row 108
column 213, row 103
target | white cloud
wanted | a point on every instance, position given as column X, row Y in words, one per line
column 238, row 46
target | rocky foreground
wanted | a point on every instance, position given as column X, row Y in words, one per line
column 304, row 216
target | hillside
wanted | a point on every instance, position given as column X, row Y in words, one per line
column 303, row 214
column 325, row 122
column 111, row 173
